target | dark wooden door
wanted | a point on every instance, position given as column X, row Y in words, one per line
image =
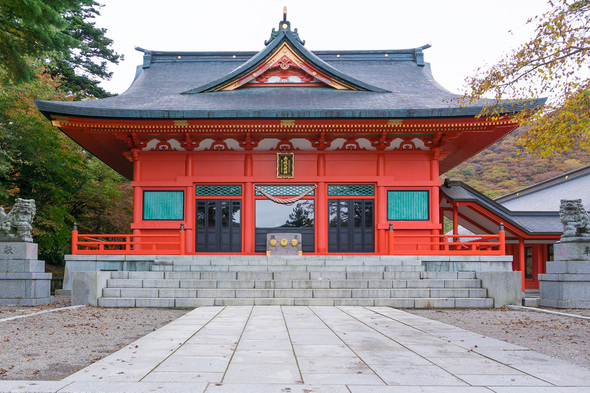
column 219, row 227
column 351, row 225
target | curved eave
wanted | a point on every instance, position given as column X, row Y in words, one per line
column 49, row 108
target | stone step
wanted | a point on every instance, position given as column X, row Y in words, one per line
column 294, row 268
column 291, row 284
column 221, row 301
column 294, row 293
column 308, row 260
column 293, row 275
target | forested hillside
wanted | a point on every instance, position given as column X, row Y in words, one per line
column 499, row 169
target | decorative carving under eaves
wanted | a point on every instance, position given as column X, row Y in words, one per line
column 382, row 142
column 219, row 145
column 285, row 145
column 408, row 144
column 259, row 143
column 351, row 144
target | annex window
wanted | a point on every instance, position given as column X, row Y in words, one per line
column 163, row 205
column 408, row 206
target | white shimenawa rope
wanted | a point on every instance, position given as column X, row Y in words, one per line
column 286, row 201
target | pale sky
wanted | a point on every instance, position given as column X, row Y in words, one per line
column 464, row 34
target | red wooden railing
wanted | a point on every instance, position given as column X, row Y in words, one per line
column 398, row 244
column 404, row 244
column 172, row 244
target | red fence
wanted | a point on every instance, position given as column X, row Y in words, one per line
column 173, row 244
column 446, row 244
column 398, row 244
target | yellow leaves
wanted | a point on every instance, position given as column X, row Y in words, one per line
column 554, row 64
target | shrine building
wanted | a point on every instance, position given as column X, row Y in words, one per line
column 344, row 148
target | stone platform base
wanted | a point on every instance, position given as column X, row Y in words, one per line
column 566, row 285
column 25, row 289
column 23, row 280
column 25, row 302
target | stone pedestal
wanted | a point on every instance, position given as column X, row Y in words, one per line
column 23, row 280
column 567, row 281
column 283, row 244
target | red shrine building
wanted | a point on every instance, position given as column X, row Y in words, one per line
column 344, row 148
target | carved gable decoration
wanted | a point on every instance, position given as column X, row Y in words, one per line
column 285, row 68
column 285, row 71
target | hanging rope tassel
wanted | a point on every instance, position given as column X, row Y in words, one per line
column 285, row 201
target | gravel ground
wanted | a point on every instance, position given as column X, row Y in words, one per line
column 51, row 346
column 560, row 337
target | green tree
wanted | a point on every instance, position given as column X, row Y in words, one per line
column 51, row 50
column 554, row 62
column 38, row 161
column 63, row 35
column 31, row 28
column 81, row 67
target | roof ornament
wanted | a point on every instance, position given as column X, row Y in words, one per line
column 284, row 29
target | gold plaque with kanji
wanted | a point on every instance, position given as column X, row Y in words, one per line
column 285, row 165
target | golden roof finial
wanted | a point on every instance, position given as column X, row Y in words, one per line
column 284, row 13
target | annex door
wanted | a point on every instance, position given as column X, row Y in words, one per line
column 351, row 225
column 219, row 227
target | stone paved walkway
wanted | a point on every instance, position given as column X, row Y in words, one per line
column 317, row 349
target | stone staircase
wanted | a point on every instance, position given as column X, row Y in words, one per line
column 206, row 280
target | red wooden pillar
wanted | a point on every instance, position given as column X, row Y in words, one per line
column 435, row 212
column 390, row 240
column 538, row 257
column 182, row 238
column 75, row 239
column 455, row 219
column 321, row 214
column 382, row 239
column 190, row 207
column 381, row 219
column 137, row 194
column 521, row 260
column 248, row 208
column 502, row 239
column 322, row 218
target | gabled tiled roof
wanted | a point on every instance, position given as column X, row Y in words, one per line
column 547, row 195
column 384, row 84
column 531, row 222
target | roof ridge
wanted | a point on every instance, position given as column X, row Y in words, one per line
column 291, row 38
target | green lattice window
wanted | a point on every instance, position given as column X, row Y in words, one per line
column 351, row 190
column 163, row 205
column 284, row 190
column 218, row 190
column 408, row 205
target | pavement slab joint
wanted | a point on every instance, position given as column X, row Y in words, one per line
column 323, row 349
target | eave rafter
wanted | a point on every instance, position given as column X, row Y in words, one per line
column 441, row 128
column 353, row 134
